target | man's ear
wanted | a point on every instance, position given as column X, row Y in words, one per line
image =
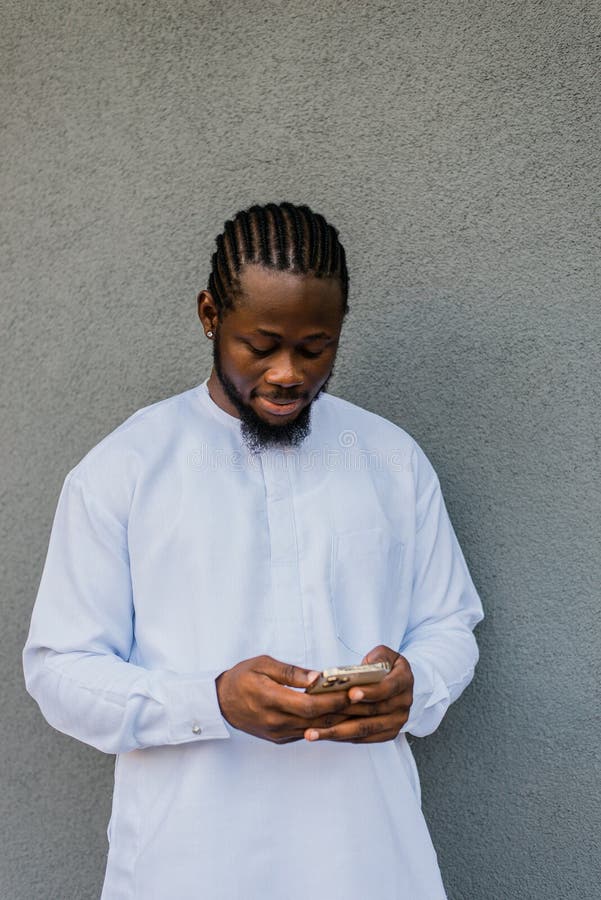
column 207, row 311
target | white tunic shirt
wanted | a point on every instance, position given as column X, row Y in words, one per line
column 174, row 554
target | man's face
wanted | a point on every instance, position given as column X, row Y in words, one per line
column 274, row 352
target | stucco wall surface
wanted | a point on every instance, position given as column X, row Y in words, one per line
column 455, row 145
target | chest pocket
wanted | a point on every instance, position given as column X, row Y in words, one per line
column 365, row 578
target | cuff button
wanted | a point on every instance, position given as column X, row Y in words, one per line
column 196, row 729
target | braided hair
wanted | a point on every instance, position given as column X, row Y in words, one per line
column 280, row 236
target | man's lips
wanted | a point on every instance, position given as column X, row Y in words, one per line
column 280, row 406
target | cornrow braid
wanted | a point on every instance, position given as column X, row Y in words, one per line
column 295, row 226
column 280, row 236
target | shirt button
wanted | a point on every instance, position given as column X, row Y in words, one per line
column 196, row 729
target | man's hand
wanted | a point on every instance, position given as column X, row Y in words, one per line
column 378, row 711
column 255, row 696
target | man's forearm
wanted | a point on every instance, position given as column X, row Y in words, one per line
column 116, row 706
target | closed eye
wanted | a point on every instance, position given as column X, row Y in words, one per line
column 258, row 352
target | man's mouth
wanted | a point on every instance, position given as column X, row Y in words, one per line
column 280, row 406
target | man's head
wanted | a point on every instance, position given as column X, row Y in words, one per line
column 274, row 307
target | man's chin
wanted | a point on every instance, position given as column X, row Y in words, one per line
column 261, row 432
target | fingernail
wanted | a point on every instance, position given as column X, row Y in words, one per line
column 357, row 695
column 312, row 735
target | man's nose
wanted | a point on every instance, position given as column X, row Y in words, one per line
column 284, row 371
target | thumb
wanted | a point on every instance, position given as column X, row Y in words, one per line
column 286, row 673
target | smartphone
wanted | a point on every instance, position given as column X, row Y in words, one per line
column 345, row 677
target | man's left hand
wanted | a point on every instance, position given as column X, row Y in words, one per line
column 379, row 710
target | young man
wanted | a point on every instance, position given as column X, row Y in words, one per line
column 214, row 553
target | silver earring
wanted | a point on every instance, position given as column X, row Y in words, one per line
column 209, row 334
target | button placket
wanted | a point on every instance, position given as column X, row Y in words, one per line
column 285, row 574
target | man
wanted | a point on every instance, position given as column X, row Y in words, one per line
column 209, row 558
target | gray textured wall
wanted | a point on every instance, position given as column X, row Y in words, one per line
column 456, row 147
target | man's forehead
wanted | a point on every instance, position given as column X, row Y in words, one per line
column 268, row 295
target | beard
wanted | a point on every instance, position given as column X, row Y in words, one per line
column 258, row 434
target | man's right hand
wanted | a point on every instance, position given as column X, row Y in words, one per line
column 255, row 696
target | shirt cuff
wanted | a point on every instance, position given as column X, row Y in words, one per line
column 194, row 713
column 429, row 690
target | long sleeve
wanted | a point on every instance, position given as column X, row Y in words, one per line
column 439, row 643
column 81, row 637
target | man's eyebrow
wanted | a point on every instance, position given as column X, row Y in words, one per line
column 317, row 335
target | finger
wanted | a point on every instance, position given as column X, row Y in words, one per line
column 285, row 673
column 285, row 728
column 323, row 722
column 381, row 653
column 398, row 680
column 383, row 707
column 377, row 738
column 283, row 701
column 385, row 690
column 312, row 706
column 358, row 730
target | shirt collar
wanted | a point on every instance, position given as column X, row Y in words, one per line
column 216, row 411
